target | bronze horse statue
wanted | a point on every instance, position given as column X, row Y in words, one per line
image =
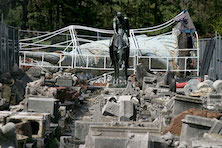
column 119, row 54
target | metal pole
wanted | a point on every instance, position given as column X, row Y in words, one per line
column 87, row 61
column 43, row 56
column 105, row 62
column 167, row 64
column 198, row 55
column 98, row 36
column 215, row 68
column 149, row 63
column 60, row 60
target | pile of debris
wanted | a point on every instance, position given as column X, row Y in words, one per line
column 43, row 113
column 59, row 110
column 146, row 114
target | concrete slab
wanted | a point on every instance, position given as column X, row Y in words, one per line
column 82, row 128
column 182, row 103
column 214, row 99
column 43, row 105
column 119, row 137
column 216, row 128
column 126, row 110
column 39, row 121
column 111, row 108
column 194, row 127
column 64, row 82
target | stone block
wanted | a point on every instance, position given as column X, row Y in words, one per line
column 182, row 103
column 126, row 111
column 216, row 128
column 214, row 99
column 111, row 108
column 194, row 127
column 124, row 98
column 39, row 122
column 208, row 141
column 43, row 105
column 82, row 128
column 119, row 137
column 203, row 143
column 64, row 82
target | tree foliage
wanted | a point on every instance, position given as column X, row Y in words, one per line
column 47, row 15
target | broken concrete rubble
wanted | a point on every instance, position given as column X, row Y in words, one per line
column 141, row 73
column 176, row 123
column 140, row 114
column 36, row 88
column 131, row 89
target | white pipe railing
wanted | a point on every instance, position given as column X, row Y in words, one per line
column 77, row 57
column 104, row 57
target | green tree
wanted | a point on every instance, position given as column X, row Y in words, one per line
column 47, row 15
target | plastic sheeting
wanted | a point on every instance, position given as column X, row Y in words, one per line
column 156, row 46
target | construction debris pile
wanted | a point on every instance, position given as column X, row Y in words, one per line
column 151, row 111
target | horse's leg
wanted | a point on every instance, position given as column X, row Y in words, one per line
column 125, row 67
column 117, row 71
column 117, row 67
column 125, row 70
column 120, row 56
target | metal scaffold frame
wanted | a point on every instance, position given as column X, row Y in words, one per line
column 9, row 48
column 74, row 38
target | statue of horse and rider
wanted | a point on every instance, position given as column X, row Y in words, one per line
column 119, row 46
